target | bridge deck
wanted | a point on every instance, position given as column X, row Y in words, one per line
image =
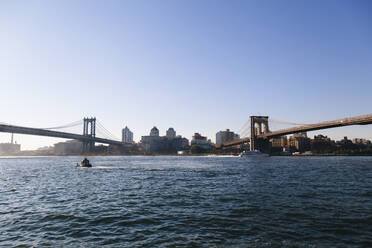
column 359, row 120
column 56, row 134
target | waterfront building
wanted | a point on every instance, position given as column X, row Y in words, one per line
column 152, row 142
column 127, row 136
column 345, row 144
column 345, row 141
column 361, row 141
column 201, row 141
column 322, row 144
column 171, row 133
column 9, row 148
column 280, row 142
column 163, row 144
column 177, row 144
column 226, row 136
column 299, row 142
column 72, row 147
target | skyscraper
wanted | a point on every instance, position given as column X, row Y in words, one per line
column 127, row 135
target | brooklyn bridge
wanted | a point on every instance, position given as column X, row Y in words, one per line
column 260, row 133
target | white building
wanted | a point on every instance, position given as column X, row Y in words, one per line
column 127, row 135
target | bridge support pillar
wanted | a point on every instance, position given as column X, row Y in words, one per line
column 258, row 143
column 89, row 130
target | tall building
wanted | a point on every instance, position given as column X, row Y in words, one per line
column 127, row 135
column 171, row 134
column 226, row 136
column 154, row 132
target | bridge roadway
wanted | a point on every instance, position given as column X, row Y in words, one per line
column 359, row 120
column 42, row 132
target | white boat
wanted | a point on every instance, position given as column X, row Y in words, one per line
column 254, row 153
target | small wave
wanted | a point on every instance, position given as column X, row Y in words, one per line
column 155, row 169
column 341, row 231
column 223, row 156
column 62, row 217
column 105, row 220
column 108, row 168
column 139, row 221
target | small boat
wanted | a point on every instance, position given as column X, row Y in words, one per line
column 84, row 163
column 254, row 153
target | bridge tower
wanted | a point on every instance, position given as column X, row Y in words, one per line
column 259, row 126
column 89, row 131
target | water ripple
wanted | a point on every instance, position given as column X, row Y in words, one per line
column 186, row 202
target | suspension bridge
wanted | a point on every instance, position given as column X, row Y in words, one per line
column 91, row 127
column 257, row 127
column 260, row 134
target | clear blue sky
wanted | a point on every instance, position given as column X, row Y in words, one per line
column 197, row 66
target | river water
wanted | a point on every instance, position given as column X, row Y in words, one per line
column 186, row 202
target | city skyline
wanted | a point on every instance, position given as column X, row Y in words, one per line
column 194, row 66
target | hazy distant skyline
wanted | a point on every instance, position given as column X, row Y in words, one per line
column 196, row 66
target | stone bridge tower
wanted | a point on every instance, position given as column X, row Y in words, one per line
column 259, row 126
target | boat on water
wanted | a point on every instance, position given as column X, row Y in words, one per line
column 254, row 153
column 84, row 163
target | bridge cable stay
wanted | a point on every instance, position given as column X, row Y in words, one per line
column 102, row 129
column 72, row 124
column 245, row 132
column 288, row 123
column 102, row 133
column 244, row 126
column 245, row 129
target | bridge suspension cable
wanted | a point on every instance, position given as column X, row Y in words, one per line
column 287, row 122
column 245, row 133
column 72, row 124
column 247, row 123
column 102, row 130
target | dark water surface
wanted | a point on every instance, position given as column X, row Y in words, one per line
column 186, row 202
